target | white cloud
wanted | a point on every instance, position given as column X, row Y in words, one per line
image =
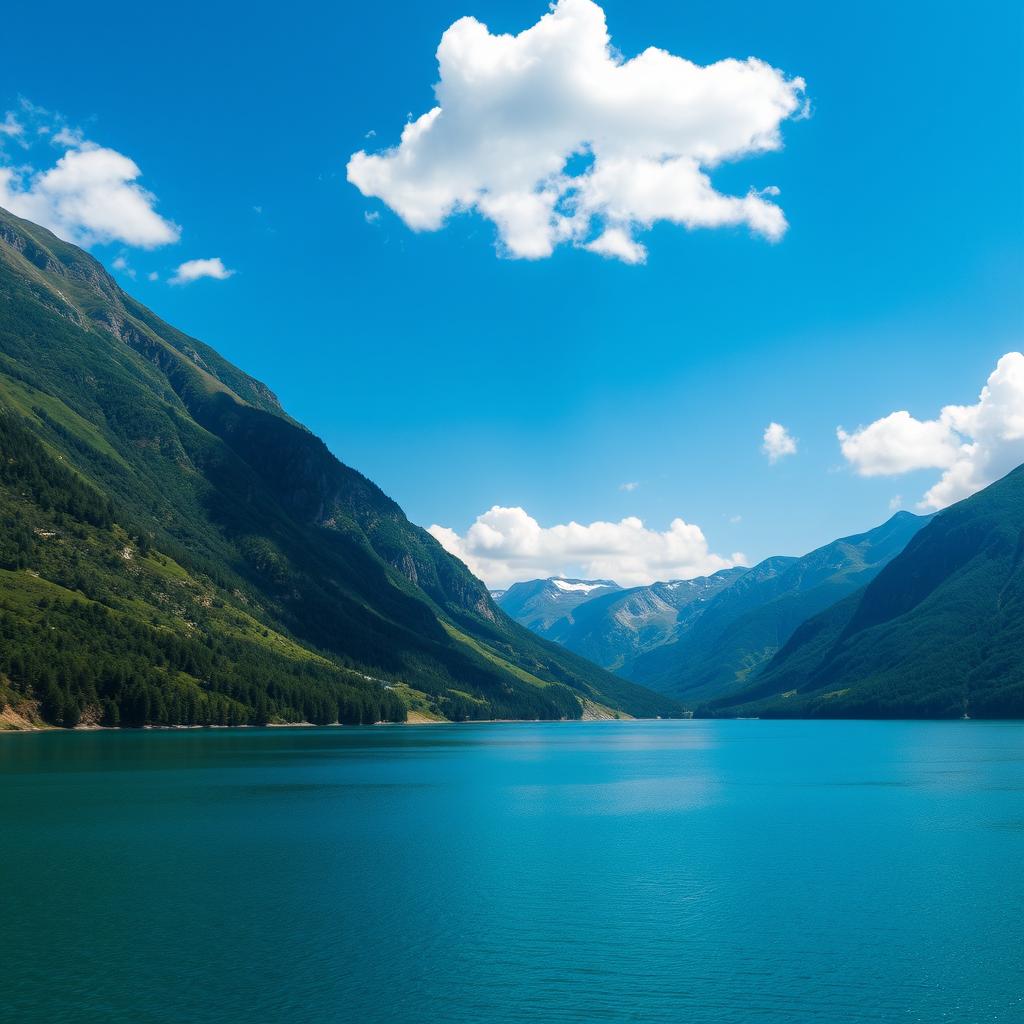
column 193, row 270
column 152, row 276
column 616, row 243
column 973, row 444
column 896, row 503
column 65, row 136
column 898, row 443
column 514, row 114
column 89, row 196
column 11, row 126
column 506, row 545
column 630, row 485
column 121, row 264
column 778, row 442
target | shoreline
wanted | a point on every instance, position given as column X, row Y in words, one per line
column 33, row 728
column 37, row 729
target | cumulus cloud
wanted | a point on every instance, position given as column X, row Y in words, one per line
column 972, row 444
column 556, row 138
column 90, row 195
column 778, row 442
column 506, row 545
column 630, row 485
column 193, row 270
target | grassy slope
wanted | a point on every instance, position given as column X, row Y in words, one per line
column 938, row 633
column 263, row 524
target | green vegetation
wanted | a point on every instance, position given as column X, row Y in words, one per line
column 176, row 550
column 741, row 628
column 939, row 633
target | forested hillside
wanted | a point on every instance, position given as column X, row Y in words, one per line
column 176, row 549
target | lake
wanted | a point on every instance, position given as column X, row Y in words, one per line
column 671, row 872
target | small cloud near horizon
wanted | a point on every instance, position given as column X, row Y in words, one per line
column 193, row 270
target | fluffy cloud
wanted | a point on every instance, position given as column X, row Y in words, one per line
column 972, row 444
column 555, row 138
column 89, row 196
column 506, row 545
column 778, row 442
column 193, row 270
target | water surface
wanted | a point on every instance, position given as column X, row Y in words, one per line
column 671, row 872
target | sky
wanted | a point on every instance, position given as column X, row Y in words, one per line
column 610, row 311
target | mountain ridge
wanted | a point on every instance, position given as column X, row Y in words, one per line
column 939, row 632
column 702, row 638
column 204, row 471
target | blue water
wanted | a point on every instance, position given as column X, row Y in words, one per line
column 667, row 872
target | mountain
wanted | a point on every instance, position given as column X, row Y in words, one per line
column 176, row 549
column 705, row 638
column 615, row 629
column 743, row 627
column 938, row 633
column 546, row 606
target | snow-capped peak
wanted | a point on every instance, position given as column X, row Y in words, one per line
column 575, row 587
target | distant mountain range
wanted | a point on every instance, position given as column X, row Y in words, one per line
column 615, row 627
column 705, row 638
column 741, row 629
column 922, row 617
column 175, row 549
column 546, row 606
column 939, row 632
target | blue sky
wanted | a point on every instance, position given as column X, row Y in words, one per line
column 459, row 380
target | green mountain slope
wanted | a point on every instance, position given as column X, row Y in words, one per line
column 176, row 549
column 717, row 652
column 938, row 633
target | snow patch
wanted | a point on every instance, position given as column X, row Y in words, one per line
column 579, row 588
